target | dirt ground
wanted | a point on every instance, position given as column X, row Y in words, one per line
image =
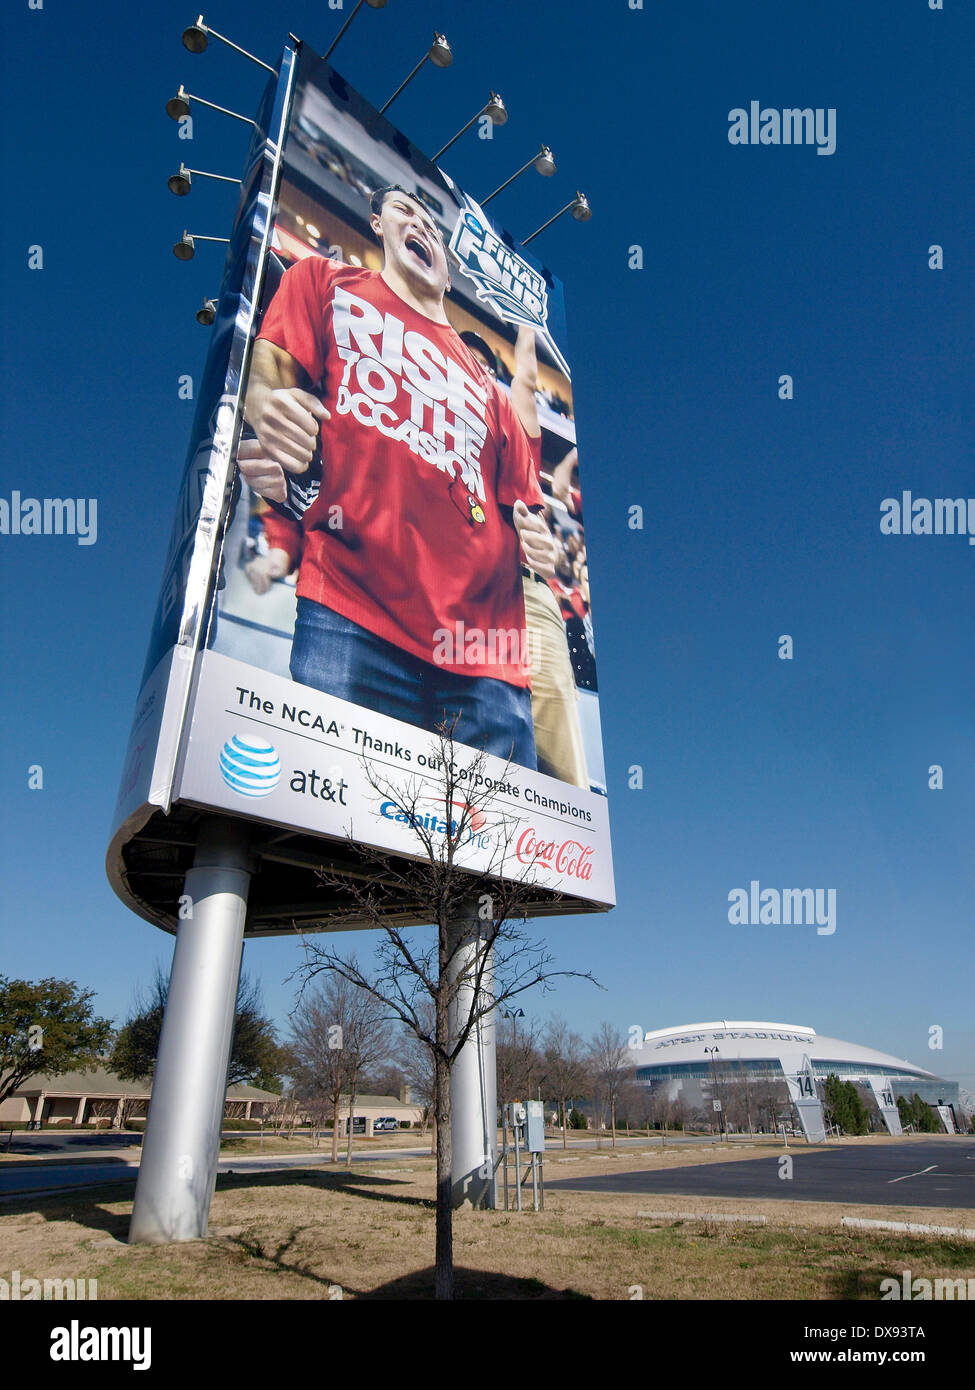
column 331, row 1233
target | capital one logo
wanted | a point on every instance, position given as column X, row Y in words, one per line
column 570, row 857
column 471, row 823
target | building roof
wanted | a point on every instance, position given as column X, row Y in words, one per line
column 102, row 1082
column 391, row 1102
column 743, row 1040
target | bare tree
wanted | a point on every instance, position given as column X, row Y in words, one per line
column 663, row 1108
column 281, row 1112
column 132, row 1108
column 386, row 1079
column 608, row 1063
column 519, row 1064
column 565, row 1066
column 634, row 1102
column 418, row 1060
column 737, row 1096
column 462, row 852
column 365, row 1042
column 680, row 1110
column 320, row 1023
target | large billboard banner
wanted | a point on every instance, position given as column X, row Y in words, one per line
column 382, row 526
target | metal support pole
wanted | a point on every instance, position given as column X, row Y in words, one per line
column 473, row 1077
column 182, row 1141
column 504, row 1154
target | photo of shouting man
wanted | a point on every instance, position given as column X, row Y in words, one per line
column 403, row 488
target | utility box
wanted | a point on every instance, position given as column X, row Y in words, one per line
column 523, row 1142
column 535, row 1126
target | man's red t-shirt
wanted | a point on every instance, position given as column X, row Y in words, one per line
column 422, row 453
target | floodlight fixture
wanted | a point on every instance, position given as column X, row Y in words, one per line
column 207, row 312
column 185, row 248
column 179, row 106
column 196, row 37
column 579, row 208
column 439, row 54
column 373, row 5
column 181, row 182
column 544, row 162
column 495, row 108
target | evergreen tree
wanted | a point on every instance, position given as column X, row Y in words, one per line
column 858, row 1122
column 925, row 1117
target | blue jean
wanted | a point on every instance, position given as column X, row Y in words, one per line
column 339, row 657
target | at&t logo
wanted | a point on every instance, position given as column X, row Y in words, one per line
column 250, row 765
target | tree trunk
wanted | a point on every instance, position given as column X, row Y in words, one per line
column 612, row 1120
column 335, row 1128
column 444, row 1262
column 348, row 1149
column 565, row 1118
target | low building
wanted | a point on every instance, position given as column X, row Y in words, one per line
column 101, row 1098
column 372, row 1108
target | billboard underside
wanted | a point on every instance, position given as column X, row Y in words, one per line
column 287, row 893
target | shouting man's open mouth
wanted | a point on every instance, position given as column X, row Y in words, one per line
column 419, row 249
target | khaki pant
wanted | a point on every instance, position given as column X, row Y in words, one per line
column 558, row 737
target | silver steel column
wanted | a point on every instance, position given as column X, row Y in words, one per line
column 182, row 1141
column 473, row 1077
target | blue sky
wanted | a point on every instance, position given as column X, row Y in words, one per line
column 761, row 515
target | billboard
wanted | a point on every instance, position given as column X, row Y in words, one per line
column 381, row 526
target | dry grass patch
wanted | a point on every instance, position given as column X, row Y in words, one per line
column 304, row 1234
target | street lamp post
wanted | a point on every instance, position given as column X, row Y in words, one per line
column 714, row 1089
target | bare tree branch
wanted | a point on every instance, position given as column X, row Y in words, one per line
column 460, row 975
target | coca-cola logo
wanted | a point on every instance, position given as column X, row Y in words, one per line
column 570, row 858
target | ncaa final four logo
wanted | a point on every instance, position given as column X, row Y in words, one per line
column 513, row 288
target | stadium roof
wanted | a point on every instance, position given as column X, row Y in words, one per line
column 747, row 1039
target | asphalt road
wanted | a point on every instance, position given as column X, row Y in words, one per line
column 91, row 1160
column 46, row 1143
column 933, row 1173
column 52, row 1176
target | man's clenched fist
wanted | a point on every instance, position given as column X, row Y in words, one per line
column 537, row 545
column 261, row 474
column 287, row 422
